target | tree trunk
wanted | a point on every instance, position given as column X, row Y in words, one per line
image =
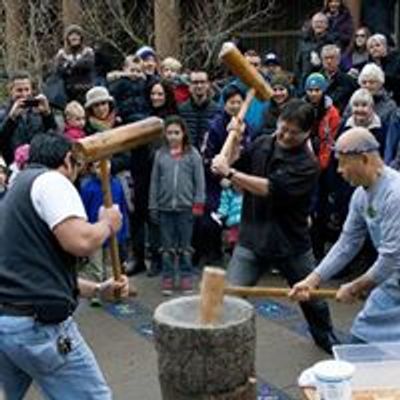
column 72, row 12
column 198, row 362
column 167, row 28
column 355, row 9
column 15, row 35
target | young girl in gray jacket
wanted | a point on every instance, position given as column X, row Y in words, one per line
column 177, row 195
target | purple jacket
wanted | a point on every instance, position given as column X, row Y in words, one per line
column 341, row 27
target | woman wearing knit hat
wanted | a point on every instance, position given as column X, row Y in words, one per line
column 323, row 134
column 150, row 62
column 282, row 93
column 75, row 64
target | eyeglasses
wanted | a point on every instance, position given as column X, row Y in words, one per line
column 362, row 35
column 198, row 82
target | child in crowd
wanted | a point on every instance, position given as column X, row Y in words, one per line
column 75, row 120
column 92, row 198
column 177, row 193
column 21, row 156
column 229, row 211
column 128, row 87
column 170, row 70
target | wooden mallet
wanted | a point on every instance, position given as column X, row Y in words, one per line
column 101, row 146
column 213, row 288
column 247, row 73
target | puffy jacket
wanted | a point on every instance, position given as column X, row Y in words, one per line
column 197, row 117
column 325, row 132
column 130, row 99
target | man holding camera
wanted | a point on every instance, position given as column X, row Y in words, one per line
column 23, row 116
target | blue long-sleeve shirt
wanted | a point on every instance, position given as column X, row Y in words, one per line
column 376, row 210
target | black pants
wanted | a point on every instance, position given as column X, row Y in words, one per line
column 245, row 269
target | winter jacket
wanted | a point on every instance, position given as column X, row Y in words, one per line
column 309, row 45
column 325, row 132
column 341, row 27
column 14, row 133
column 181, row 90
column 92, row 198
column 354, row 60
column 176, row 184
column 375, row 127
column 73, row 133
column 391, row 67
column 197, row 117
column 77, row 71
column 392, row 146
column 213, row 143
column 130, row 99
column 384, row 106
column 230, row 206
column 341, row 87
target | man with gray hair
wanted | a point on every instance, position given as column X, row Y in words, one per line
column 374, row 209
column 308, row 57
column 340, row 85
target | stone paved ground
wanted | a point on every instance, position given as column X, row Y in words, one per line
column 121, row 338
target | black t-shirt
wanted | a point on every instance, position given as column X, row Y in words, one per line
column 276, row 225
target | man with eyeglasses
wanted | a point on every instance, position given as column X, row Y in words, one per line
column 278, row 175
column 200, row 108
column 374, row 209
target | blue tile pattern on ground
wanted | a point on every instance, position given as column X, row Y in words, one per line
column 274, row 310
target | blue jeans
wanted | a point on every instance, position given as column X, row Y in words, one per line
column 28, row 352
column 245, row 268
column 176, row 228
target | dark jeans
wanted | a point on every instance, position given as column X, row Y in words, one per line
column 207, row 240
column 176, row 229
column 245, row 268
column 142, row 226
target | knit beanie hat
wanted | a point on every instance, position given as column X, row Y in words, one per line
column 145, row 52
column 281, row 80
column 73, row 29
column 316, row 81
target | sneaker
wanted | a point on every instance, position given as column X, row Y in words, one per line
column 167, row 286
column 187, row 285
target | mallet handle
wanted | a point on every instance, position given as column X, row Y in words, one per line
column 108, row 202
column 233, row 136
column 243, row 291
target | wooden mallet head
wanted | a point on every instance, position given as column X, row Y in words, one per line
column 240, row 67
column 103, row 145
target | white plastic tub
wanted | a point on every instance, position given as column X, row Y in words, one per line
column 377, row 365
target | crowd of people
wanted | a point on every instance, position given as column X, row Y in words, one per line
column 182, row 206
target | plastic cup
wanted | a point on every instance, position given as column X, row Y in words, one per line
column 333, row 379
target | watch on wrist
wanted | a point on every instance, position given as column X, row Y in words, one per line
column 230, row 174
